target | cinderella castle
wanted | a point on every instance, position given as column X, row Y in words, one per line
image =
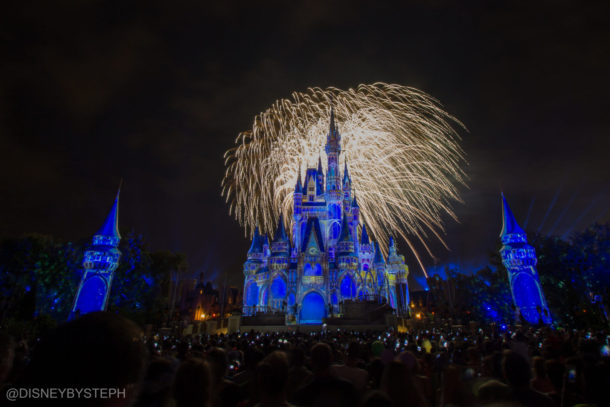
column 323, row 264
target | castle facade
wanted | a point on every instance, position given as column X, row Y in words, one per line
column 310, row 272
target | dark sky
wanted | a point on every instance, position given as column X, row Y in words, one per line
column 155, row 93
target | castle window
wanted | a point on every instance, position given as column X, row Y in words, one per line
column 316, row 270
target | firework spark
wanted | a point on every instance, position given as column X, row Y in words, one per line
column 402, row 151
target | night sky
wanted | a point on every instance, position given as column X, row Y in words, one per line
column 155, row 93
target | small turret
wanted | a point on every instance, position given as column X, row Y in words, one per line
column 280, row 245
column 346, row 240
column 378, row 255
column 320, row 185
column 297, row 198
column 346, row 178
column 298, row 188
column 355, row 210
column 364, row 239
column 392, row 247
column 257, row 244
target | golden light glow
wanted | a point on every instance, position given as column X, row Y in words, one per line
column 402, row 152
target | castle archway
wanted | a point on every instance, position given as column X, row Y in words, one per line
column 348, row 287
column 278, row 293
column 252, row 294
column 313, row 309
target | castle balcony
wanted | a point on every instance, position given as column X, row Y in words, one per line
column 313, row 280
column 348, row 262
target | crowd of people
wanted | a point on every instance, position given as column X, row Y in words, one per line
column 450, row 366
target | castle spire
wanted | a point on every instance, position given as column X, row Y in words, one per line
column 257, row 243
column 280, row 233
column 110, row 227
column 346, row 177
column 346, row 233
column 298, row 187
column 509, row 224
column 392, row 247
column 333, row 151
column 365, row 236
column 333, row 126
column 378, row 255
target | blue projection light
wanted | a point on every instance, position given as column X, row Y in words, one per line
column 100, row 262
column 519, row 258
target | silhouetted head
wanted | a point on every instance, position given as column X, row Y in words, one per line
column 321, row 357
column 100, row 350
column 192, row 385
column 272, row 374
column 493, row 391
column 217, row 358
column 516, row 369
column 376, row 399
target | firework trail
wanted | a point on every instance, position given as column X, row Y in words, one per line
column 402, row 152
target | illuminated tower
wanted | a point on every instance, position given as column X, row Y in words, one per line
column 278, row 268
column 347, row 189
column 519, row 258
column 100, row 262
column 333, row 184
column 333, row 150
column 397, row 280
column 251, row 268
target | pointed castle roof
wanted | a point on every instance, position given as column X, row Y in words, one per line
column 332, row 126
column 346, row 233
column 392, row 247
column 280, row 233
column 346, row 177
column 298, row 188
column 110, row 227
column 509, row 223
column 364, row 239
column 257, row 243
column 378, row 255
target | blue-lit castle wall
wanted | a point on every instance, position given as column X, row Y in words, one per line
column 519, row 258
column 323, row 262
column 100, row 262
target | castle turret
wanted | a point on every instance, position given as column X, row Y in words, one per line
column 366, row 250
column 256, row 248
column 378, row 259
column 320, row 184
column 355, row 210
column 519, row 259
column 397, row 274
column 100, row 262
column 280, row 245
column 347, row 189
